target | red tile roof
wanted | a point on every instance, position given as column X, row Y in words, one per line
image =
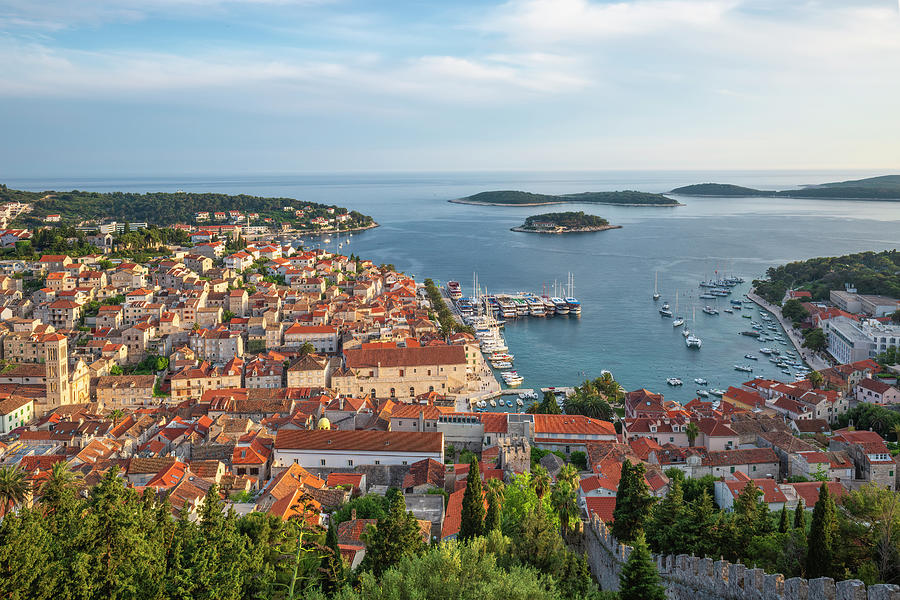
column 366, row 441
column 602, row 507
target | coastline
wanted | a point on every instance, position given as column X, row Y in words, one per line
column 809, row 357
column 776, row 195
column 522, row 229
column 476, row 203
column 329, row 231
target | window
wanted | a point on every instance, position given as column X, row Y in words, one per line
column 567, row 450
column 412, row 391
column 377, row 462
column 732, row 470
column 350, row 462
column 322, row 462
column 404, row 462
column 754, row 467
column 393, row 393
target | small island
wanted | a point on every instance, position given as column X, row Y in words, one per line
column 517, row 198
column 565, row 222
column 885, row 187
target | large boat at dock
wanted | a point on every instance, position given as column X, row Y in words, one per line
column 454, row 290
column 561, row 306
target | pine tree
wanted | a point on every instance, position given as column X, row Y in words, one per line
column 822, row 534
column 633, row 503
column 800, row 516
column 639, row 579
column 472, row 519
column 664, row 532
column 395, row 536
column 784, row 524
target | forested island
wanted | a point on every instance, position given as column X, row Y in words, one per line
column 565, row 222
column 517, row 198
column 870, row 272
column 885, row 187
column 168, row 208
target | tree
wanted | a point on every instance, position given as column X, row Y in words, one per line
column 563, row 497
column 815, row 340
column 14, row 488
column 822, row 536
column 663, row 533
column 307, row 348
column 116, row 370
column 784, row 523
column 540, row 481
column 816, row 379
column 492, row 519
column 800, row 516
column 396, row 536
column 639, row 579
column 472, row 520
column 633, row 503
column 692, row 431
column 332, row 562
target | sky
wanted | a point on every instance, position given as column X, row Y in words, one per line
column 102, row 87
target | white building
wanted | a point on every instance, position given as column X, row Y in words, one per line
column 851, row 341
column 352, row 448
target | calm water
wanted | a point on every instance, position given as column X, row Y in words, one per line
column 620, row 330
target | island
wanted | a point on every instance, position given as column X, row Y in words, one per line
column 166, row 209
column 517, row 198
column 565, row 222
column 885, row 187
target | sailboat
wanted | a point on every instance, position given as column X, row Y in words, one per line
column 692, row 341
column 656, row 286
column 679, row 321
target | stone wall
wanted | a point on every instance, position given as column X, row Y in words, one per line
column 694, row 578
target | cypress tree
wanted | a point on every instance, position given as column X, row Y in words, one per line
column 472, row 519
column 800, row 517
column 639, row 579
column 395, row 536
column 822, row 533
column 633, row 503
column 784, row 524
column 492, row 518
column 332, row 562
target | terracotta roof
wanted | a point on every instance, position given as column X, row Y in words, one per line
column 602, row 507
column 771, row 491
column 405, row 357
column 339, row 479
column 720, row 458
column 423, row 472
column 571, row 425
column 809, row 491
column 366, row 441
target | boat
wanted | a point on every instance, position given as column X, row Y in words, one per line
column 751, row 333
column 710, row 310
column 501, row 356
column 664, row 310
column 707, row 296
column 685, row 332
column 493, row 403
column 717, row 392
column 549, row 306
column 502, row 364
column 729, row 311
column 751, row 357
column 656, row 286
column 744, row 368
column 765, row 350
column 519, row 402
column 700, row 381
column 737, row 302
column 674, row 381
column 692, row 341
column 561, row 306
column 678, row 322
column 454, row 290
column 747, row 316
column 574, row 305
column 535, row 306
column 703, row 393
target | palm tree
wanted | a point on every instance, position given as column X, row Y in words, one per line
column 14, row 488
column 692, row 432
column 540, row 481
column 563, row 499
column 569, row 474
column 115, row 416
column 61, row 477
column 896, row 430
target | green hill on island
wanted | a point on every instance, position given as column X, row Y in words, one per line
column 166, row 208
column 564, row 222
column 885, row 187
column 513, row 197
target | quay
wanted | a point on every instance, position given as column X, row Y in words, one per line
column 812, row 358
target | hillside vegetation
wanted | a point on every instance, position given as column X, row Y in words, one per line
column 869, row 272
column 502, row 197
column 885, row 187
column 163, row 208
column 569, row 220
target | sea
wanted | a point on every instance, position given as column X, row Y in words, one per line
column 620, row 330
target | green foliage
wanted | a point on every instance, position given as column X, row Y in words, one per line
column 623, row 197
column 472, row 519
column 870, row 272
column 579, row 459
column 547, row 405
column 370, row 506
column 800, row 516
column 448, row 324
column 891, row 356
column 14, row 488
column 793, row 310
column 116, row 370
column 885, row 187
column 633, row 503
column 590, row 399
column 718, row 189
column 149, row 366
column 822, row 536
column 537, row 454
column 815, row 340
column 639, row 579
column 396, row 536
column 568, row 220
column 871, row 416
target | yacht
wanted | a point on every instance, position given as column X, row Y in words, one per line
column 674, row 381
column 703, row 393
column 707, row 296
column 765, row 350
column 535, row 306
column 501, row 356
column 744, row 368
column 574, row 305
column 664, row 310
column 717, row 392
column 507, row 308
column 692, row 341
column 685, row 332
column 521, row 307
column 700, row 381
column 562, row 308
column 729, row 311
column 751, row 357
column 454, row 290
column 549, row 306
column 710, row 310
column 493, row 402
column 678, row 322
column 519, row 402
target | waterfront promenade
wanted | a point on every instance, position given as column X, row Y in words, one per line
column 811, row 358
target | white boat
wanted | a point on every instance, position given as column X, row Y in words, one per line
column 744, row 368
column 710, row 310
column 678, row 322
column 561, row 306
column 700, row 381
column 501, row 356
column 674, row 381
column 717, row 392
column 703, row 393
column 692, row 341
column 519, row 402
column 751, row 357
column 685, row 332
column 574, row 305
column 493, row 402
column 549, row 306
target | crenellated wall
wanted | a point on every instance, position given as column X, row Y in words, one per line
column 694, row 578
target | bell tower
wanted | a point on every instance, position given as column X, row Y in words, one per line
column 56, row 353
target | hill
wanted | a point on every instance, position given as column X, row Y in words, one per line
column 885, row 187
column 165, row 208
column 869, row 272
column 518, row 198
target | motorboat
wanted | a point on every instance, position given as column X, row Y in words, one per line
column 674, row 381
column 678, row 322
column 717, row 392
column 703, row 393
column 692, row 341
column 710, row 310
column 561, row 306
column 493, row 402
column 751, row 357
column 700, row 381
column 744, row 368
column 574, row 305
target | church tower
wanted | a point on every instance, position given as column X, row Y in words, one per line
column 56, row 353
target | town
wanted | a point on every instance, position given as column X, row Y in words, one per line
column 295, row 382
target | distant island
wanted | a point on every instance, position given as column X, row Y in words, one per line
column 565, row 222
column 164, row 209
column 885, row 187
column 516, row 198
